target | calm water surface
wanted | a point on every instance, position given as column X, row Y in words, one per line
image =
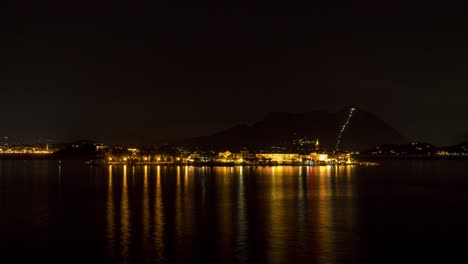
column 405, row 211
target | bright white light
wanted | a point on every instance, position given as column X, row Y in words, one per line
column 344, row 127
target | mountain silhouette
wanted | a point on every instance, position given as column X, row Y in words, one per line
column 365, row 130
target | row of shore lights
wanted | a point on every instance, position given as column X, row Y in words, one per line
column 145, row 159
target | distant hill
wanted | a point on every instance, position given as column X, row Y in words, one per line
column 419, row 149
column 463, row 138
column 364, row 131
column 79, row 148
column 459, row 148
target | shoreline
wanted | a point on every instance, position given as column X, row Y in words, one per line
column 215, row 164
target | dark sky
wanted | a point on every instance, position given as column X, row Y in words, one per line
column 142, row 73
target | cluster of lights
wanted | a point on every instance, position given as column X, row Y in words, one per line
column 304, row 141
column 344, row 127
column 25, row 151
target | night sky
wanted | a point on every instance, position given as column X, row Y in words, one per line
column 139, row 74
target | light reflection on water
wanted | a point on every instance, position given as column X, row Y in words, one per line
column 110, row 214
column 161, row 214
column 146, row 212
column 186, row 214
column 241, row 234
column 289, row 213
column 125, row 224
column 159, row 219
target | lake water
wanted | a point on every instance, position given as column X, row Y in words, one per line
column 400, row 211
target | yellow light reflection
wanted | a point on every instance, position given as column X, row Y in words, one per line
column 280, row 211
column 110, row 214
column 186, row 177
column 242, row 222
column 178, row 207
column 124, row 215
column 178, row 176
column 325, row 222
column 159, row 219
column 302, row 212
column 225, row 210
column 145, row 212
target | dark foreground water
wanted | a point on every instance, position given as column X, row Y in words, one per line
column 405, row 211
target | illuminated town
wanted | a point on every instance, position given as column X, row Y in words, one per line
column 227, row 158
column 310, row 154
column 36, row 149
column 102, row 154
